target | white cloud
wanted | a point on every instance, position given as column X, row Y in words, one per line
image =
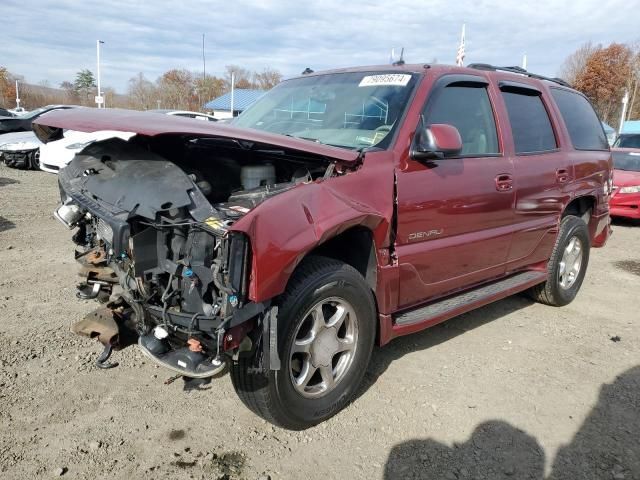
column 53, row 39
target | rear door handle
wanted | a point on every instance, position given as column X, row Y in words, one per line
column 562, row 175
column 504, row 182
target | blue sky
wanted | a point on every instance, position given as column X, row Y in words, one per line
column 52, row 40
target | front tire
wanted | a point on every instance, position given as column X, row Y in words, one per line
column 567, row 265
column 34, row 160
column 326, row 331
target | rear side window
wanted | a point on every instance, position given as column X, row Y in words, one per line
column 530, row 124
column 467, row 108
column 584, row 127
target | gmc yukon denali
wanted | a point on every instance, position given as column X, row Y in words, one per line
column 343, row 209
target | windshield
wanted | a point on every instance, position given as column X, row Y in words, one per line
column 35, row 113
column 350, row 110
column 626, row 161
column 628, row 141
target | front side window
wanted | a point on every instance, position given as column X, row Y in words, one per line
column 530, row 124
column 350, row 110
column 467, row 108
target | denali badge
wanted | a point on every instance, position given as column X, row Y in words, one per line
column 424, row 235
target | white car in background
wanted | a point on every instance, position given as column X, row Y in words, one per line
column 187, row 114
column 20, row 149
column 56, row 155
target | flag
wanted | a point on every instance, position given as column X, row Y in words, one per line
column 460, row 55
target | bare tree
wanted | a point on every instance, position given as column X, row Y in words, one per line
column 209, row 88
column 267, row 79
column 142, row 93
column 243, row 78
column 176, row 89
column 575, row 63
column 605, row 78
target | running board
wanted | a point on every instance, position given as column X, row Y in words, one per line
column 439, row 311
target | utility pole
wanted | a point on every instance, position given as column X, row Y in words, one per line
column 524, row 61
column 633, row 99
column 233, row 81
column 99, row 99
column 625, row 102
column 17, row 97
column 204, row 62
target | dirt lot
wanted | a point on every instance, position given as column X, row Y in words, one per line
column 513, row 390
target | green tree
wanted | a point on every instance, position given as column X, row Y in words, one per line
column 84, row 85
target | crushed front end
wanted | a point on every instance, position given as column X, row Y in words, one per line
column 155, row 247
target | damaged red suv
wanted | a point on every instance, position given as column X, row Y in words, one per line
column 343, row 209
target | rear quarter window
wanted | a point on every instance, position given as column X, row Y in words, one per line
column 585, row 129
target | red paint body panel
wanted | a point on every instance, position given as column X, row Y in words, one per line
column 285, row 228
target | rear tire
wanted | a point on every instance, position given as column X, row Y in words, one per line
column 567, row 265
column 326, row 331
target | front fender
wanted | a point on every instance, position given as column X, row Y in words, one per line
column 287, row 227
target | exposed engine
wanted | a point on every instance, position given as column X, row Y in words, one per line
column 155, row 245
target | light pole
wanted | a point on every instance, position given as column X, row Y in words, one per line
column 625, row 102
column 17, row 97
column 99, row 99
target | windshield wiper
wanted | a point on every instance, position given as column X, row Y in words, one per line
column 315, row 140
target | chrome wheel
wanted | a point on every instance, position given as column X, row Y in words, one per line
column 323, row 347
column 571, row 263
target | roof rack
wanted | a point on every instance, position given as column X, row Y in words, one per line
column 518, row 70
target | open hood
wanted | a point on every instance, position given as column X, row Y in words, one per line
column 48, row 127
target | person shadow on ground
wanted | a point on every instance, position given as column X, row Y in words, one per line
column 607, row 446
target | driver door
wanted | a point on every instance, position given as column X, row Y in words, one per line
column 455, row 214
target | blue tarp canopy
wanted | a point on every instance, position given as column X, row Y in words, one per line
column 242, row 99
column 631, row 126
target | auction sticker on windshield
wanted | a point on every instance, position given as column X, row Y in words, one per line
column 390, row 79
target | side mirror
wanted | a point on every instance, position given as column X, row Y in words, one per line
column 436, row 141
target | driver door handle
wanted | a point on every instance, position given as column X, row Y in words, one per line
column 504, row 182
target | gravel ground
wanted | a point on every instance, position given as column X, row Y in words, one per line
column 512, row 390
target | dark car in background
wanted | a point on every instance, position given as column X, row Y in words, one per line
column 6, row 113
column 628, row 140
column 23, row 123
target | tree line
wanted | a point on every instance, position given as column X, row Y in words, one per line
column 604, row 75
column 178, row 89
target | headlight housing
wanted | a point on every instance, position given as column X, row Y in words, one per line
column 630, row 189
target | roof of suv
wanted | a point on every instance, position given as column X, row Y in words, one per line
column 480, row 69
